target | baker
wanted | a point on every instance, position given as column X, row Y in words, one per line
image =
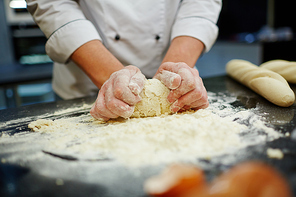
column 95, row 43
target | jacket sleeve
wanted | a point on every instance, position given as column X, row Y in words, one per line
column 198, row 18
column 64, row 25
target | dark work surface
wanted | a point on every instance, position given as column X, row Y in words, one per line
column 17, row 73
column 20, row 178
column 278, row 50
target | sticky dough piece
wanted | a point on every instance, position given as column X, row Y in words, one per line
column 285, row 68
column 154, row 100
column 267, row 83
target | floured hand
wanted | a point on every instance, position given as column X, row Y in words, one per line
column 119, row 94
column 187, row 89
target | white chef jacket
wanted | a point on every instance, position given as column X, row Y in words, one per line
column 136, row 32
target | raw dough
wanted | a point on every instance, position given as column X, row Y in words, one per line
column 285, row 68
column 267, row 83
column 275, row 153
column 154, row 100
column 40, row 125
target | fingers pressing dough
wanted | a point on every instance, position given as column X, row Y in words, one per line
column 267, row 83
column 285, row 68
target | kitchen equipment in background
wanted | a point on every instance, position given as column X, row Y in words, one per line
column 28, row 40
column 16, row 12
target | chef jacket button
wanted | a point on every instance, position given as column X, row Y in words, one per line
column 117, row 37
column 157, row 37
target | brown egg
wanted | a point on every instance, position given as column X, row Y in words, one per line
column 250, row 179
column 176, row 181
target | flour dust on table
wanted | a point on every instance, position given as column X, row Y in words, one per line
column 185, row 137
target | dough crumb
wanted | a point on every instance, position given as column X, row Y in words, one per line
column 274, row 153
column 59, row 182
column 40, row 124
column 154, row 100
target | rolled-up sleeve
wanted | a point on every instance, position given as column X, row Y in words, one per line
column 198, row 18
column 64, row 24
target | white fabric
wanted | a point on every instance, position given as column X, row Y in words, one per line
column 68, row 24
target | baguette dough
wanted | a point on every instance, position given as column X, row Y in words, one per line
column 154, row 100
column 285, row 68
column 267, row 83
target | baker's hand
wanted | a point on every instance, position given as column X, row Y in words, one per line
column 187, row 89
column 119, row 94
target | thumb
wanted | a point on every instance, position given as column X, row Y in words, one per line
column 170, row 79
column 136, row 83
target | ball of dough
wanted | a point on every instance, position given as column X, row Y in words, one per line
column 154, row 100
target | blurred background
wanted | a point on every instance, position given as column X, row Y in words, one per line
column 254, row 30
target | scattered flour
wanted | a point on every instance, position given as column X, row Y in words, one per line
column 151, row 140
column 154, row 100
column 204, row 134
column 220, row 129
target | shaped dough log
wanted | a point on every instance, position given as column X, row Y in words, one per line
column 285, row 68
column 267, row 83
